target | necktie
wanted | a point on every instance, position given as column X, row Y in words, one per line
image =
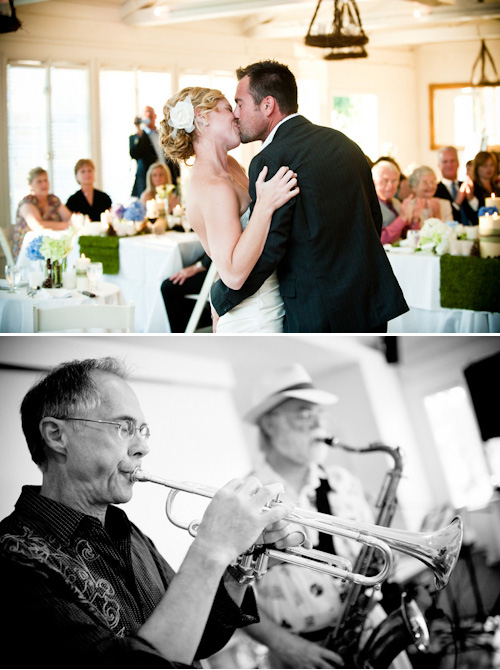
column 391, row 207
column 325, row 540
column 454, row 189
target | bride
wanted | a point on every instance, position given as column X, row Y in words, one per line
column 199, row 122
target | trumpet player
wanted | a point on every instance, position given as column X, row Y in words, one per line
column 81, row 585
column 298, row 607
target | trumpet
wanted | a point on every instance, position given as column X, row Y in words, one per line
column 438, row 550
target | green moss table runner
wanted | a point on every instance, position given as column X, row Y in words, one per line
column 104, row 249
column 470, row 282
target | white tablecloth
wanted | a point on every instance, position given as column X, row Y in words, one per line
column 16, row 309
column 145, row 261
column 419, row 275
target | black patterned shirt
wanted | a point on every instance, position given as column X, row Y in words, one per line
column 75, row 591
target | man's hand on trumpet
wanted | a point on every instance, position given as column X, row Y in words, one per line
column 238, row 517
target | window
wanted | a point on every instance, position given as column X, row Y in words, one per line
column 357, row 117
column 46, row 126
column 309, row 99
column 459, row 446
column 123, row 96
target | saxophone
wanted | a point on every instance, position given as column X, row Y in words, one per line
column 402, row 627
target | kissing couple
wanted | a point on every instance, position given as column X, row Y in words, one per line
column 297, row 243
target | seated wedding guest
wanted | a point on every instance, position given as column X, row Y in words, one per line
column 460, row 194
column 395, row 215
column 80, row 582
column 403, row 190
column 158, row 174
column 187, row 281
column 38, row 210
column 88, row 200
column 484, row 176
column 425, row 205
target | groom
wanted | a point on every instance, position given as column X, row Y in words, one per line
column 333, row 272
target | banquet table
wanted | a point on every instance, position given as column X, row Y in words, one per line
column 16, row 309
column 145, row 261
column 419, row 275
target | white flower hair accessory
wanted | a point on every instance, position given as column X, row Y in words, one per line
column 182, row 116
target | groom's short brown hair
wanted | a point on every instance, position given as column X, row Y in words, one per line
column 271, row 78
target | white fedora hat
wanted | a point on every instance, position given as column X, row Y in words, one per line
column 292, row 381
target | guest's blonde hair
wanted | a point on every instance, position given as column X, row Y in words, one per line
column 179, row 145
column 149, row 181
column 36, row 172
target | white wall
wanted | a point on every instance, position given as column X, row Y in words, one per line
column 441, row 64
column 186, row 399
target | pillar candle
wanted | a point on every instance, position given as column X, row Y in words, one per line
column 494, row 201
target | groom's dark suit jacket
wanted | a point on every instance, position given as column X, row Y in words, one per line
column 333, row 272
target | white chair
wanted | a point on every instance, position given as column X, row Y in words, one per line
column 82, row 317
column 7, row 252
column 201, row 299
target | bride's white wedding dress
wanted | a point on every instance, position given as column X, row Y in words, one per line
column 262, row 312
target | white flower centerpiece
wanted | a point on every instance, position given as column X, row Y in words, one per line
column 436, row 236
column 54, row 250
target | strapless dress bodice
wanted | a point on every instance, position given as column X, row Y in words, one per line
column 262, row 312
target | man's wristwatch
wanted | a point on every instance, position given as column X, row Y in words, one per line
column 199, row 265
column 240, row 575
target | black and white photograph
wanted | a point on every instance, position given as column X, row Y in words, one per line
column 278, row 501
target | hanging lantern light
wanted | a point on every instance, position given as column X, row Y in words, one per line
column 346, row 38
column 483, row 80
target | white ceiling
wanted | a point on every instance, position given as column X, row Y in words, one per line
column 386, row 22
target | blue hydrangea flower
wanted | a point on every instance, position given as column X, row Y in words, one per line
column 33, row 249
column 487, row 210
column 136, row 211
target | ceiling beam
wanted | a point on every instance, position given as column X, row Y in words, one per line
column 141, row 13
column 390, row 27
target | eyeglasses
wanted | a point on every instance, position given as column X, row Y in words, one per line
column 126, row 428
column 303, row 419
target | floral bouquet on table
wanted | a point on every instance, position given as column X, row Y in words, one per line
column 436, row 236
column 164, row 190
column 129, row 219
column 54, row 251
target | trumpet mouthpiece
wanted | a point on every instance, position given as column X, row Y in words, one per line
column 138, row 475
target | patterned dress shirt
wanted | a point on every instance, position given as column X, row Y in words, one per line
column 75, row 592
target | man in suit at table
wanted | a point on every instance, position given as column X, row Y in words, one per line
column 146, row 149
column 461, row 194
column 333, row 271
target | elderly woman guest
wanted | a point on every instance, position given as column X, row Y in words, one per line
column 484, row 172
column 38, row 210
column 423, row 183
column 396, row 218
column 88, row 200
column 158, row 174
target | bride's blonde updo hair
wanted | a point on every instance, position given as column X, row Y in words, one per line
column 178, row 144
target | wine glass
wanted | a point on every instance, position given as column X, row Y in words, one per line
column 13, row 275
column 94, row 275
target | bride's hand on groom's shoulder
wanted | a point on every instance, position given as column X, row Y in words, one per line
column 279, row 189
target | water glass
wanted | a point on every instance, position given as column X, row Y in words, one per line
column 94, row 275
column 13, row 275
